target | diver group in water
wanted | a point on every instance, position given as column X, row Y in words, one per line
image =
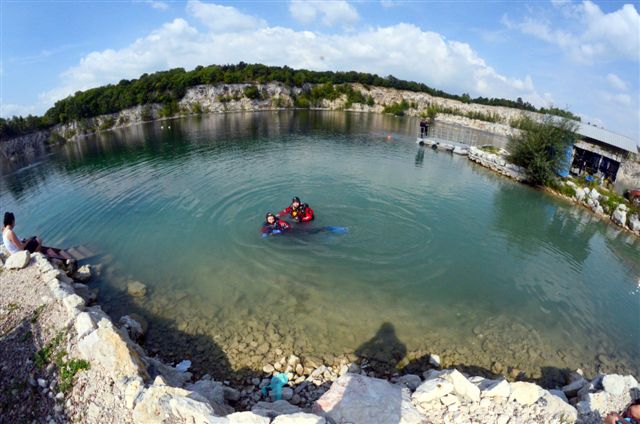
column 300, row 213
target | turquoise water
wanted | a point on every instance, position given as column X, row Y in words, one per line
column 460, row 261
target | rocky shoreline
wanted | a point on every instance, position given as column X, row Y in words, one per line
column 122, row 383
column 588, row 197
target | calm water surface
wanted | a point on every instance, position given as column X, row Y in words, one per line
column 457, row 260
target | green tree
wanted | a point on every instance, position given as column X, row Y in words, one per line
column 541, row 148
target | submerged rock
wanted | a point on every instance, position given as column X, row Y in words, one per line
column 136, row 289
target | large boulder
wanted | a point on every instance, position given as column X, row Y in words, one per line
column 496, row 389
column 619, row 216
column 558, row 409
column 18, row 260
column 525, row 393
column 247, row 417
column 211, row 390
column 83, row 274
column 299, row 418
column 168, row 404
column 361, row 400
column 614, row 384
column 432, row 389
column 462, row 386
column 109, row 349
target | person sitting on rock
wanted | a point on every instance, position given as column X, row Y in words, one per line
column 631, row 415
column 32, row 244
column 301, row 212
column 273, row 225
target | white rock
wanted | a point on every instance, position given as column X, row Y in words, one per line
column 593, row 194
column 499, row 389
column 411, row 381
column 434, row 360
column 42, row 383
column 107, row 348
column 503, row 419
column 630, row 382
column 83, row 324
column 461, row 385
column 83, row 273
column 580, row 194
column 432, row 390
column 247, row 417
column 74, row 304
column 18, row 260
column 299, row 418
column 619, row 216
column 173, row 405
column 614, row 384
column 591, row 402
column 558, row 408
column 449, row 399
column 358, row 399
column 571, row 184
column 133, row 389
column 525, row 393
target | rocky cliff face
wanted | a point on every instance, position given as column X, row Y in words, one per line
column 231, row 98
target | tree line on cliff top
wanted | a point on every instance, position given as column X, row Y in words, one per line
column 170, row 86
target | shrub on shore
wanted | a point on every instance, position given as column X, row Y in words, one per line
column 541, row 148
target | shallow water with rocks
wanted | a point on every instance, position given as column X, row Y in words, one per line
column 442, row 256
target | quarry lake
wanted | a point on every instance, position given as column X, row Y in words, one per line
column 442, row 256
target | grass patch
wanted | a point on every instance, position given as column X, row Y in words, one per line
column 68, row 369
column 490, row 149
column 36, row 314
column 567, row 190
column 43, row 356
column 12, row 307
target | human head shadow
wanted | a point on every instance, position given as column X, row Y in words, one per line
column 383, row 352
column 370, row 400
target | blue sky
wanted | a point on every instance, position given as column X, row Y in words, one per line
column 582, row 55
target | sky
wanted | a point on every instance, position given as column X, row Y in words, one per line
column 580, row 55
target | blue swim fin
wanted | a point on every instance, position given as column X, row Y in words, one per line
column 337, row 230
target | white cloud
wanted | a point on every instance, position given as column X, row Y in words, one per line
column 337, row 12
column 590, row 34
column 160, row 5
column 403, row 50
column 223, row 18
column 616, row 82
column 618, row 99
column 156, row 4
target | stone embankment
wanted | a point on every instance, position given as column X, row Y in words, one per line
column 621, row 215
column 123, row 384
